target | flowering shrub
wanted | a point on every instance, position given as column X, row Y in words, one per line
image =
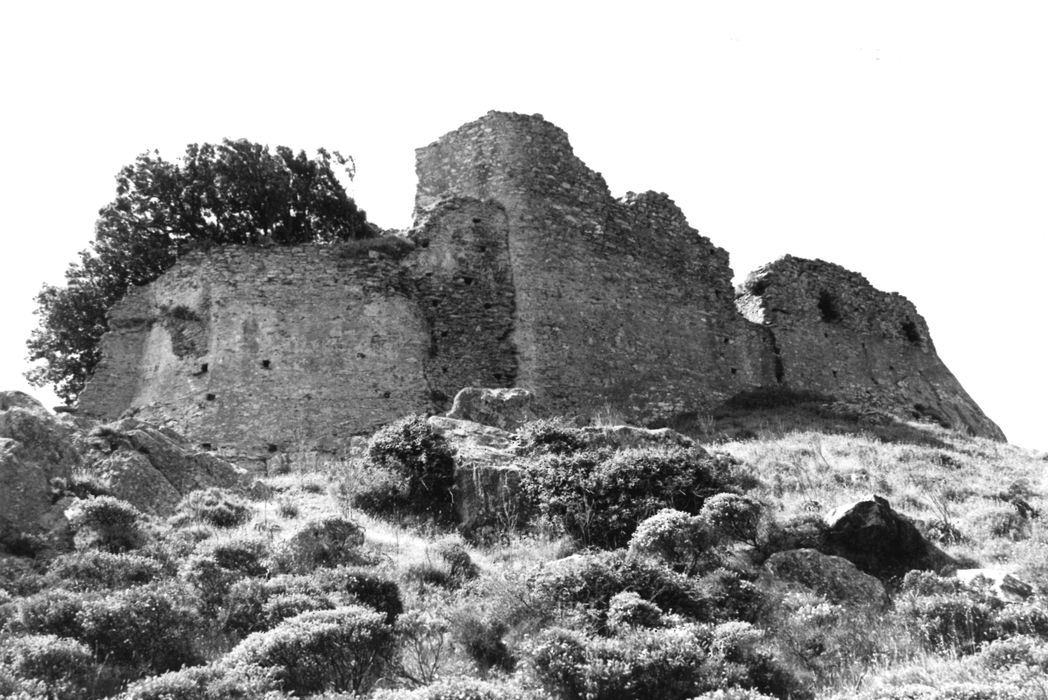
column 214, row 682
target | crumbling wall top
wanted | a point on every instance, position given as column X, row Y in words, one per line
column 794, row 292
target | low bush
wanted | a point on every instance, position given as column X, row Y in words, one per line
column 257, row 604
column 54, row 611
column 598, row 498
column 732, row 516
column 106, row 523
column 217, row 563
column 457, row 689
column 324, row 650
column 670, row 663
column 1020, row 650
column 327, row 541
column 627, row 609
column 482, row 638
column 590, row 581
column 214, row 682
column 151, row 627
column 552, row 436
column 212, row 506
column 421, row 466
column 65, row 667
column 94, row 569
column 675, row 537
column 952, row 621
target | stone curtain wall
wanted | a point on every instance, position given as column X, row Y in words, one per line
column 840, row 336
column 521, row 270
column 307, row 346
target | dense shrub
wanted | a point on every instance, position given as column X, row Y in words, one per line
column 214, row 682
column 482, row 638
column 672, row 663
column 733, row 516
column 106, row 523
column 946, row 621
column 217, row 563
column 447, row 564
column 665, row 663
column 213, row 506
column 53, row 611
column 627, row 609
column 421, row 467
column 456, row 689
column 551, row 435
column 326, row 541
column 65, row 667
column 590, row 581
column 151, row 627
column 1020, row 650
column 341, row 649
column 598, row 498
column 93, row 569
column 677, row 538
column 257, row 604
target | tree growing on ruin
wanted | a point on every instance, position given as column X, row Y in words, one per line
column 236, row 192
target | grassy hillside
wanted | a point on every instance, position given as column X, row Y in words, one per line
column 352, row 580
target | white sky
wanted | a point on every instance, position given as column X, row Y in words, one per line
column 905, row 140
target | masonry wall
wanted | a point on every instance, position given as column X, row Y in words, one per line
column 464, row 287
column 261, row 350
column 521, row 270
column 619, row 304
column 838, row 335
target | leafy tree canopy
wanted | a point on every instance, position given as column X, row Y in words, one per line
column 236, row 192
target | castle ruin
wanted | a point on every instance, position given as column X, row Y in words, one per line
column 520, row 270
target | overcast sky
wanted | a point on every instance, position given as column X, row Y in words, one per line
column 904, row 140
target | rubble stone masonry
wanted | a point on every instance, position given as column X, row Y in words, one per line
column 521, row 270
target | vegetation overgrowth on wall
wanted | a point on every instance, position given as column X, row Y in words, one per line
column 233, row 192
column 652, row 594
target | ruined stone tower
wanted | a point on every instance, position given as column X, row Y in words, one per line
column 520, row 270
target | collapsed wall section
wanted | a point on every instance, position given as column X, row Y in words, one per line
column 838, row 335
column 265, row 350
column 463, row 284
column 619, row 305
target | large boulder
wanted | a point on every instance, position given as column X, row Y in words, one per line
column 835, row 578
column 487, row 484
column 502, row 408
column 25, row 496
column 881, row 541
column 45, row 441
column 153, row 468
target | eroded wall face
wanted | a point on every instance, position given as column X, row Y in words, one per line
column 267, row 349
column 464, row 288
column 838, row 335
column 618, row 304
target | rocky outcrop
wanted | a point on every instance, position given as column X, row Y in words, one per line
column 880, row 541
column 835, row 578
column 502, row 408
column 487, row 484
column 34, row 450
column 153, row 468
